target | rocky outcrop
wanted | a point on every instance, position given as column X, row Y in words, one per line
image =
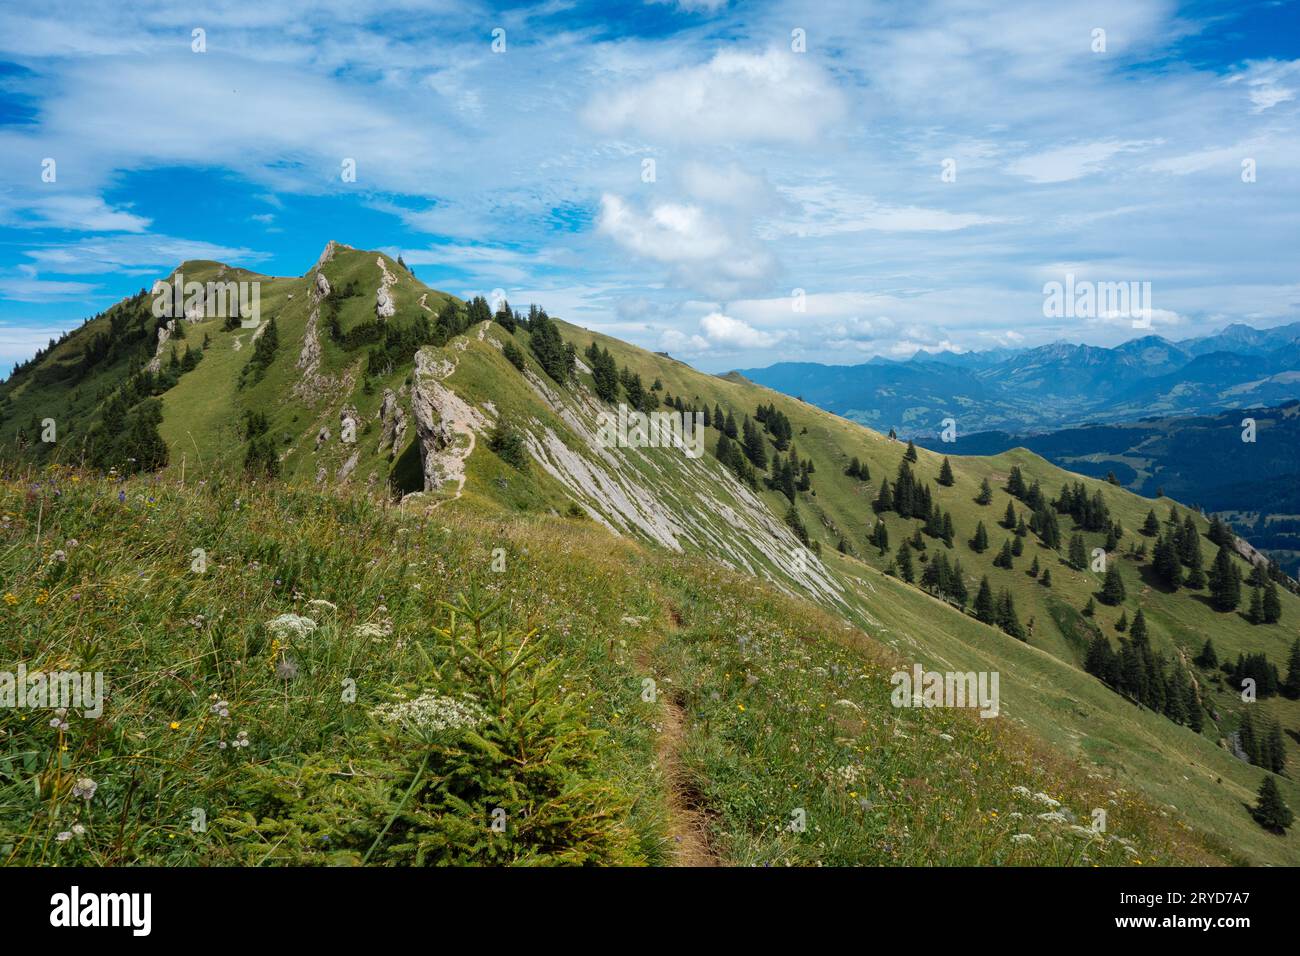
column 348, row 419
column 392, row 423
column 312, row 384
column 384, row 306
column 327, row 254
column 322, row 437
column 347, row 467
column 164, row 333
column 441, row 415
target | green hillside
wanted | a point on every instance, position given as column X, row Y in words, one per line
column 358, row 410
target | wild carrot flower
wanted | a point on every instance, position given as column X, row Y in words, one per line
column 431, row 713
column 290, row 625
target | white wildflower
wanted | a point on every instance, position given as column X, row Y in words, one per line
column 320, row 604
column 1052, row 817
column 1022, row 838
column 431, row 713
column 85, row 788
column 1046, row 801
column 290, row 626
column 373, row 629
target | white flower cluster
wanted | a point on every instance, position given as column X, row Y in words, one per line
column 290, row 626
column 373, row 629
column 432, row 713
column 849, row 774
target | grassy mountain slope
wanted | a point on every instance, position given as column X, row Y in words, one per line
column 196, row 665
column 422, row 427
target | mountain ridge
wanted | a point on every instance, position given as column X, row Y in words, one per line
column 461, row 423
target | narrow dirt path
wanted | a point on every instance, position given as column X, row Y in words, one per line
column 688, row 825
column 688, row 822
column 460, row 478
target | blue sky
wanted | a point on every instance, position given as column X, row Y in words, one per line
column 774, row 169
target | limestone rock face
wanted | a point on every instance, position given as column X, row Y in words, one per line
column 384, row 306
column 392, row 420
column 164, row 333
column 348, row 424
column 440, row 415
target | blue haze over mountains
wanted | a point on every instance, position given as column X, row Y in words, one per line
column 1159, row 416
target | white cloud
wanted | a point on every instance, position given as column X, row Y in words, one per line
column 70, row 211
column 724, row 330
column 828, row 210
column 776, row 96
column 133, row 255
column 702, row 250
column 1075, row 161
column 43, row 290
column 1263, row 80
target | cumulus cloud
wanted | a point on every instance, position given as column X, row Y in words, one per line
column 774, row 96
column 702, row 250
column 719, row 332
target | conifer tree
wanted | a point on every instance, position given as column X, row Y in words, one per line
column 984, row 608
column 1078, row 553
column 884, row 499
column 1291, row 686
column 1112, row 589
column 980, row 543
column 1207, row 659
column 1046, row 579
column 1225, row 582
column 1016, row 483
column 1195, row 717
column 1138, row 630
column 910, row 454
column 1006, row 615
column 1276, row 748
column 945, row 474
column 986, row 493
column 1004, row 558
column 880, row 537
column 1272, row 604
column 1122, row 624
column 903, row 560
column 1033, row 568
column 1151, row 527
column 1270, row 811
column 1255, row 614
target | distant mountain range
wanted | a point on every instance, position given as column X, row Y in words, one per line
column 1053, row 386
column 1185, row 458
